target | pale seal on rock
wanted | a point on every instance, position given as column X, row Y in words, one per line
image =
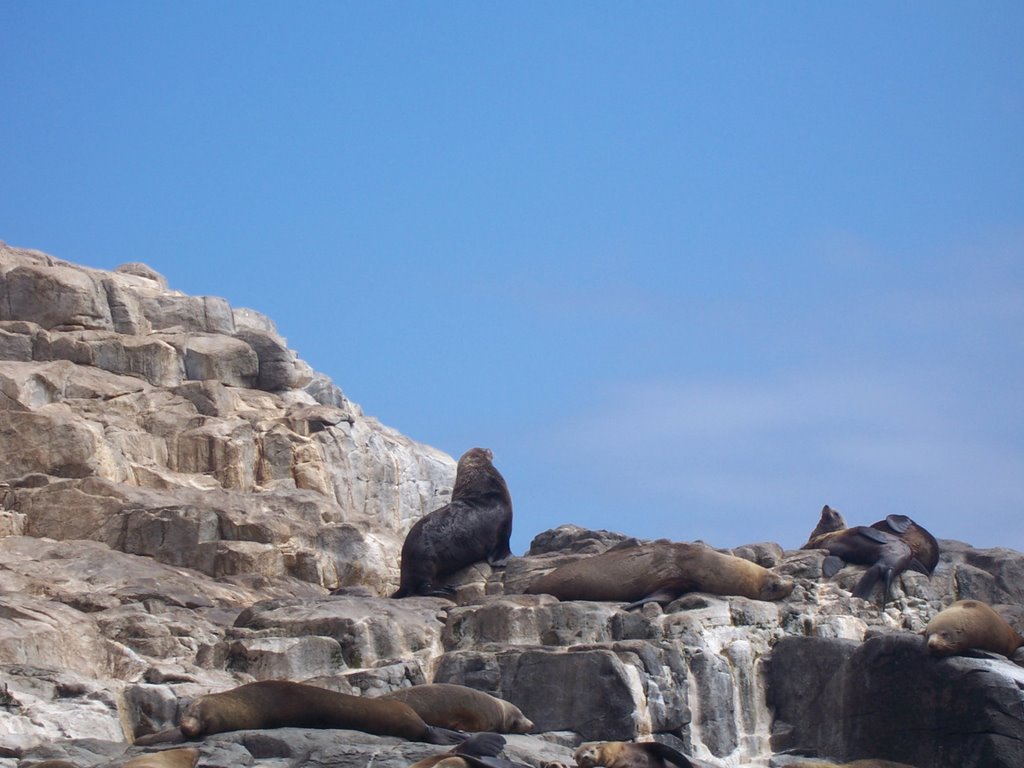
column 660, row 571
column 461, row 708
column 475, row 525
column 184, row 757
column 968, row 624
column 628, row 754
column 478, row 751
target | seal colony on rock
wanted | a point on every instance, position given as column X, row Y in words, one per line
column 284, row 704
column 628, row 754
column 968, row 624
column 461, row 708
column 660, row 571
column 885, row 554
column 475, row 525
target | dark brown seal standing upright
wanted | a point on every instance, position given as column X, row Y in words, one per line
column 475, row 525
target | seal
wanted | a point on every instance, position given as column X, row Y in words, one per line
column 475, row 525
column 829, row 522
column 628, row 754
column 284, row 704
column 460, row 708
column 885, row 554
column 869, row 763
column 922, row 543
column 475, row 752
column 660, row 571
column 185, row 757
column 970, row 624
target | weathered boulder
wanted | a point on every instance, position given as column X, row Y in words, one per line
column 887, row 698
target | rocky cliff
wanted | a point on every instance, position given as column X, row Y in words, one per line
column 185, row 506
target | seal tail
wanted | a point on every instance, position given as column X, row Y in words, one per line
column 666, row 753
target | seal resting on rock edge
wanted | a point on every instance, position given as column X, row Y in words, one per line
column 869, row 763
column 628, row 754
column 461, row 708
column 968, row 624
column 284, row 704
column 478, row 751
column 885, row 554
column 185, row 757
column 660, row 571
column 475, row 525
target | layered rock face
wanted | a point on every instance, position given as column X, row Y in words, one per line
column 186, row 507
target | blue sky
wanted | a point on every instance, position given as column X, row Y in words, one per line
column 691, row 270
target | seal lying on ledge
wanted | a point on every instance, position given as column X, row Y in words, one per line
column 886, row 554
column 869, row 763
column 628, row 754
column 660, row 571
column 283, row 704
column 475, row 752
column 170, row 758
column 475, row 525
column 462, row 708
column 970, row 624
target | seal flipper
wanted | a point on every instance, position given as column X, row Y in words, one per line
column 831, row 565
column 666, row 753
column 899, row 523
column 437, row 735
column 662, row 597
column 169, row 736
column 917, row 565
column 874, row 534
column 483, row 744
column 491, row 762
column 870, row 578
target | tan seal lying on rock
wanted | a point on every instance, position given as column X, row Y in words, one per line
column 283, row 704
column 869, row 763
column 462, row 708
column 970, row 624
column 475, row 525
column 660, row 571
column 170, row 758
column 628, row 754
column 467, row 754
